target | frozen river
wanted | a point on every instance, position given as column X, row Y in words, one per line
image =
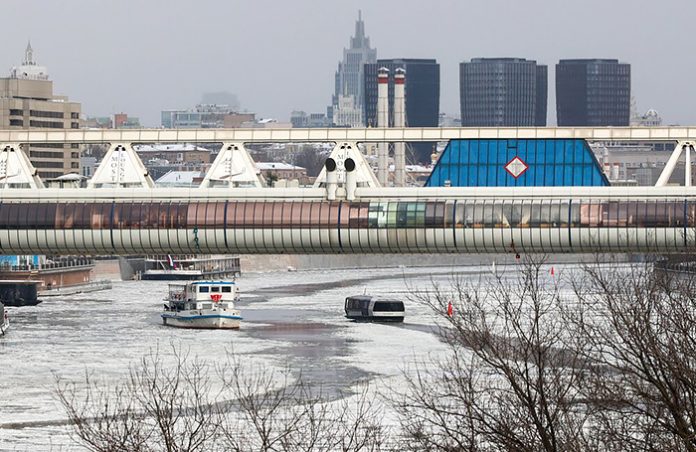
column 291, row 319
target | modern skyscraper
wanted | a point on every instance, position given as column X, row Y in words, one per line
column 503, row 92
column 27, row 101
column 422, row 92
column 349, row 98
column 593, row 93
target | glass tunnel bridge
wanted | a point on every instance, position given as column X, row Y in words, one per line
column 346, row 211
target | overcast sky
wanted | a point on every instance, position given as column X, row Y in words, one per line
column 142, row 56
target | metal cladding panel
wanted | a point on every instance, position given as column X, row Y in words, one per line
column 517, row 163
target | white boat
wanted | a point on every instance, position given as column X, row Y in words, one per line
column 4, row 320
column 202, row 304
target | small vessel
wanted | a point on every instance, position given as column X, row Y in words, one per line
column 190, row 267
column 4, row 320
column 202, row 304
column 19, row 292
column 369, row 308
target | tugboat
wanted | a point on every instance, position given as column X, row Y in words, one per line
column 4, row 320
column 202, row 304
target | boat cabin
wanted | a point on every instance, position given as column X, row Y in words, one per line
column 366, row 307
column 202, row 295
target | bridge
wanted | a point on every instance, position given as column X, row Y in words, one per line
column 347, row 211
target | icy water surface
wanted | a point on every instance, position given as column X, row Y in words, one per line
column 291, row 319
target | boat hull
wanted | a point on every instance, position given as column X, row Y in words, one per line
column 202, row 321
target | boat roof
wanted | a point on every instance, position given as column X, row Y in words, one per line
column 19, row 281
column 213, row 282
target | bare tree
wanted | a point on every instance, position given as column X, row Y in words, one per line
column 271, row 411
column 158, row 407
column 172, row 407
column 639, row 325
column 509, row 381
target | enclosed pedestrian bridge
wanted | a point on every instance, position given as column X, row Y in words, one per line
column 347, row 211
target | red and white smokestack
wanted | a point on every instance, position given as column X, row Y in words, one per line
column 399, row 121
column 383, row 121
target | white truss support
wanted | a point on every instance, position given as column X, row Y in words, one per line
column 682, row 147
column 233, row 167
column 121, row 168
column 16, row 171
column 361, row 176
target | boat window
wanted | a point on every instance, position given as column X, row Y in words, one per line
column 227, row 289
column 215, row 289
column 207, row 306
column 203, row 289
column 390, row 306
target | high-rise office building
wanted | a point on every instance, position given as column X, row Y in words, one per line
column 593, row 93
column 348, row 99
column 497, row 92
column 422, row 92
column 27, row 101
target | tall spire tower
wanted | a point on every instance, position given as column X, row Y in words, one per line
column 349, row 96
column 29, row 55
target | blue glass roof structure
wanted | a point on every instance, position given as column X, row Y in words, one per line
column 521, row 163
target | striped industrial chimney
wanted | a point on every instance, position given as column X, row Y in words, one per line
column 399, row 121
column 383, row 122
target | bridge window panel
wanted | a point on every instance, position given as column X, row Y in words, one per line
column 377, row 214
column 463, row 214
column 4, row 215
column 271, row 213
column 434, row 214
column 489, row 218
column 171, row 219
column 99, row 214
column 477, row 213
column 677, row 219
column 286, row 213
column 195, row 214
column 562, row 216
column 510, row 215
column 575, row 208
column 392, row 214
column 358, row 217
column 590, row 214
column 18, row 215
column 323, row 213
column 450, row 209
column 149, row 215
column 232, row 208
column 294, row 214
column 136, row 220
column 122, row 215
column 247, row 217
column 691, row 214
column 215, row 214
column 83, row 216
column 306, row 215
column 258, row 219
column 334, row 214
column 65, row 216
column 535, row 215
column 45, row 216
column 525, row 214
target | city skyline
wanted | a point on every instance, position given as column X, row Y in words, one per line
column 150, row 61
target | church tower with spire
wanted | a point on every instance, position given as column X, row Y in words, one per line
column 349, row 97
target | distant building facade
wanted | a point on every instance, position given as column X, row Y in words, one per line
column 503, row 92
column 349, row 97
column 301, row 119
column 205, row 116
column 422, row 89
column 27, row 102
column 593, row 92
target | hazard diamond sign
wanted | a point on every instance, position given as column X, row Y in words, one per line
column 516, row 167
